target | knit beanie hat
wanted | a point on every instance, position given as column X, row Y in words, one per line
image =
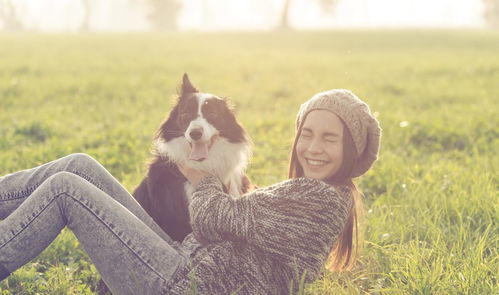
column 357, row 117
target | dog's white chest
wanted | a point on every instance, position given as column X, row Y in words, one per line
column 189, row 190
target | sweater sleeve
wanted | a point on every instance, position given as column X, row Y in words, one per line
column 218, row 216
column 296, row 221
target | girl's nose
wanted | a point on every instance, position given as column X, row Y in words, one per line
column 315, row 147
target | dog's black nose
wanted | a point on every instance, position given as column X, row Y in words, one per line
column 195, row 134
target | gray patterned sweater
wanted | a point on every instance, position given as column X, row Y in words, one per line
column 263, row 242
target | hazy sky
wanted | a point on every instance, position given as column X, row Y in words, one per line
column 115, row 15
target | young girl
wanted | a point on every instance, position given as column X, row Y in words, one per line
column 262, row 243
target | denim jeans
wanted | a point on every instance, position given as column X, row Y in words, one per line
column 130, row 251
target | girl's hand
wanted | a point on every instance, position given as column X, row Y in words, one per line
column 193, row 176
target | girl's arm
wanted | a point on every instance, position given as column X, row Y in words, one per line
column 217, row 216
column 296, row 220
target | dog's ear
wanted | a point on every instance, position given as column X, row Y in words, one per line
column 187, row 86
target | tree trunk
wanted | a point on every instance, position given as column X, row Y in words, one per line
column 9, row 16
column 284, row 25
column 85, row 24
column 491, row 13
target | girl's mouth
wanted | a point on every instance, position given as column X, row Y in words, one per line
column 313, row 162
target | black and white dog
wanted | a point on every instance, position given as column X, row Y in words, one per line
column 201, row 131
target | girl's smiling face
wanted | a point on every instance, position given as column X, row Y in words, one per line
column 319, row 148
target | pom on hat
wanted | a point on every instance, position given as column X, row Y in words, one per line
column 356, row 115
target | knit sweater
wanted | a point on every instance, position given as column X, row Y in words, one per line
column 263, row 242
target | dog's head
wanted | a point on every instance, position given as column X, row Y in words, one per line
column 199, row 127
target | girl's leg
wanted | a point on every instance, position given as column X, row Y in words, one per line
column 16, row 187
column 130, row 256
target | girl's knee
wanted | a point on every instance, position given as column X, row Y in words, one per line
column 61, row 180
column 82, row 160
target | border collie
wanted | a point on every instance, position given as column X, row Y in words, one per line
column 201, row 131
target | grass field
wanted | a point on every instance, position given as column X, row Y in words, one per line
column 431, row 201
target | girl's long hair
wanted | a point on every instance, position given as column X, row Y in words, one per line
column 344, row 254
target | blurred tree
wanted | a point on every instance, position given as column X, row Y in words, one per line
column 163, row 14
column 327, row 5
column 285, row 15
column 491, row 13
column 9, row 16
column 85, row 24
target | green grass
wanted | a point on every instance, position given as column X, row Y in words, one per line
column 431, row 200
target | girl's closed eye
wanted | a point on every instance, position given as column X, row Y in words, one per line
column 331, row 139
column 306, row 134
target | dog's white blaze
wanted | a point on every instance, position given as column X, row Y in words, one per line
column 227, row 161
column 203, row 97
column 207, row 129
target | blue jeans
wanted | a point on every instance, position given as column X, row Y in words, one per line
column 130, row 251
